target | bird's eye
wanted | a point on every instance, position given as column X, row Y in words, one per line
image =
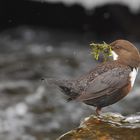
column 117, row 47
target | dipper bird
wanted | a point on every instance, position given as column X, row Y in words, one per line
column 108, row 82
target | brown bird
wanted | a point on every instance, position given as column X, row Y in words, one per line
column 108, row 82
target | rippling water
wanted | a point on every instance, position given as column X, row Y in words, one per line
column 30, row 108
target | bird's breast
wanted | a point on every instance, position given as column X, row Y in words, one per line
column 133, row 75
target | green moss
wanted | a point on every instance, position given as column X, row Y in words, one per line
column 97, row 49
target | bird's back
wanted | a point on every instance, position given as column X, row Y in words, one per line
column 74, row 88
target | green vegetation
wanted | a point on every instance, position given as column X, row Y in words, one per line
column 104, row 49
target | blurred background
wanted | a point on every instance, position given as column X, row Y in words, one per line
column 42, row 39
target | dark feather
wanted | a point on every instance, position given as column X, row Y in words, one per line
column 68, row 87
column 106, row 84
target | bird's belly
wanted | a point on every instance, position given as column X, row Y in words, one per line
column 107, row 100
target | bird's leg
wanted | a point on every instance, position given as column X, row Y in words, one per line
column 98, row 109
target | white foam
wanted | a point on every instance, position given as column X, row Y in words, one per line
column 134, row 5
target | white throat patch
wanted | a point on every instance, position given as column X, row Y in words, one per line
column 133, row 76
column 115, row 56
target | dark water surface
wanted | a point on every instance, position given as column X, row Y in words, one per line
column 30, row 108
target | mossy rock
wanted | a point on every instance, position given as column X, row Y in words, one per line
column 108, row 126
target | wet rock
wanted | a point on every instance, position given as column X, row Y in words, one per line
column 108, row 126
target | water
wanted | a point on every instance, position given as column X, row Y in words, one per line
column 90, row 4
column 30, row 108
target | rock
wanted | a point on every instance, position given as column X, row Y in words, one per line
column 108, row 126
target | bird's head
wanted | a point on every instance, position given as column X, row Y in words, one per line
column 125, row 52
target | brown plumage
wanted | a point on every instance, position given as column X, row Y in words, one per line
column 108, row 82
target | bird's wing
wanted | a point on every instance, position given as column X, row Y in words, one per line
column 106, row 83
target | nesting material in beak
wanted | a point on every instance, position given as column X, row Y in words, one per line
column 98, row 49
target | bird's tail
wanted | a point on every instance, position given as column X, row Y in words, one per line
column 68, row 87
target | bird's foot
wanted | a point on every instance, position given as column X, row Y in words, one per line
column 98, row 111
